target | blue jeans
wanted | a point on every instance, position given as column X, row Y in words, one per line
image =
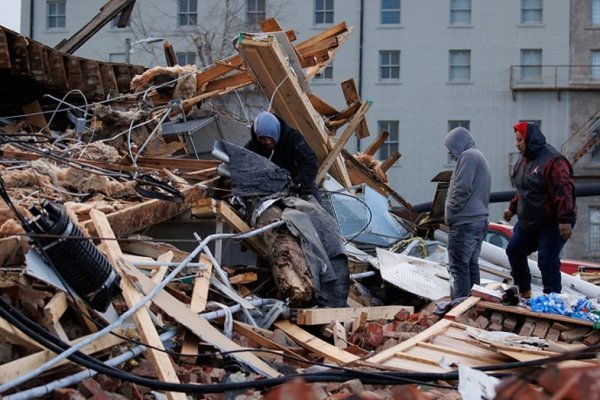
column 548, row 243
column 464, row 246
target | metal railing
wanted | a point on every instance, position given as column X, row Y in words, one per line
column 582, row 140
column 555, row 77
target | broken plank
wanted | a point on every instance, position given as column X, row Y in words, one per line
column 377, row 143
column 316, row 345
column 463, row 307
column 526, row 312
column 321, row 316
column 13, row 369
column 390, row 161
column 4, row 52
column 351, row 95
column 236, row 223
column 341, row 142
column 181, row 313
column 152, row 249
column 198, row 304
column 160, row 360
column 254, row 334
column 148, row 213
column 244, row 278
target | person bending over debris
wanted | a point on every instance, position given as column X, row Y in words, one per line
column 545, row 207
column 285, row 146
column 466, row 210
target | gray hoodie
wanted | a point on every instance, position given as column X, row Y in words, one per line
column 469, row 190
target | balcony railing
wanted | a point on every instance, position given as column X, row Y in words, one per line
column 554, row 78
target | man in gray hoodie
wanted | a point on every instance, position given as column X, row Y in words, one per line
column 466, row 210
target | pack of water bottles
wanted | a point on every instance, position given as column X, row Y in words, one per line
column 566, row 305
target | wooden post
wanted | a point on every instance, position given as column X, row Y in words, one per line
column 390, row 161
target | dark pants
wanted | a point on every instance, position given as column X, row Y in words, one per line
column 548, row 243
column 464, row 246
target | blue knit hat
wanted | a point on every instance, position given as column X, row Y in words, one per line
column 267, row 124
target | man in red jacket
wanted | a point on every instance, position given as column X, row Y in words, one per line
column 545, row 207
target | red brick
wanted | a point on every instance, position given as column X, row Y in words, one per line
column 373, row 335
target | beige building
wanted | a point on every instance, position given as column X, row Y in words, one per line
column 427, row 65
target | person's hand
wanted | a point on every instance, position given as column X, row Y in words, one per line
column 565, row 231
column 507, row 215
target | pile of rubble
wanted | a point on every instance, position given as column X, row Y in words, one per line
column 108, row 177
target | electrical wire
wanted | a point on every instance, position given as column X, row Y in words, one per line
column 355, row 198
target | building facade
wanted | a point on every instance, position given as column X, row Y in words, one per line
column 427, row 65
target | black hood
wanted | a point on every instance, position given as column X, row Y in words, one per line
column 534, row 141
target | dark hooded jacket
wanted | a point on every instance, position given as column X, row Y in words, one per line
column 293, row 154
column 544, row 181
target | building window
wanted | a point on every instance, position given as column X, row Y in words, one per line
column 531, row 11
column 186, row 58
column 595, row 12
column 455, row 124
column 595, row 64
column 391, row 145
column 188, row 12
column 326, row 74
column 594, row 228
column 460, row 12
column 460, row 66
column 531, row 64
column 323, row 11
column 389, row 65
column 390, row 12
column 256, row 11
column 56, row 13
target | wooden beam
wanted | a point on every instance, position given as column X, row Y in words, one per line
column 316, row 345
column 351, row 96
column 160, row 360
column 5, row 62
column 339, row 145
column 148, row 213
column 106, row 14
column 377, row 143
column 321, row 316
column 181, row 313
column 390, row 161
column 198, row 304
column 526, row 312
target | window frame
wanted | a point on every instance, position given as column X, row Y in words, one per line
column 390, row 11
column 186, row 55
column 392, row 143
column 595, row 12
column 390, row 66
column 187, row 17
column 455, row 66
column 535, row 77
column 457, row 10
column 60, row 19
column 594, row 229
column 595, row 64
column 532, row 10
column 256, row 13
column 322, row 14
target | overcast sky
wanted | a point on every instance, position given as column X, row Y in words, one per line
column 10, row 15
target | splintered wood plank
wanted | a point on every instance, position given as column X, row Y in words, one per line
column 321, row 316
column 390, row 161
column 181, row 313
column 333, row 31
column 12, row 335
column 11, row 250
column 341, row 142
column 377, row 143
column 38, row 61
column 351, row 96
column 463, row 307
column 198, row 304
column 321, row 106
column 148, row 213
column 152, row 249
column 339, row 335
column 145, row 327
column 238, row 225
column 13, row 369
column 4, row 52
column 123, row 76
column 316, row 345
